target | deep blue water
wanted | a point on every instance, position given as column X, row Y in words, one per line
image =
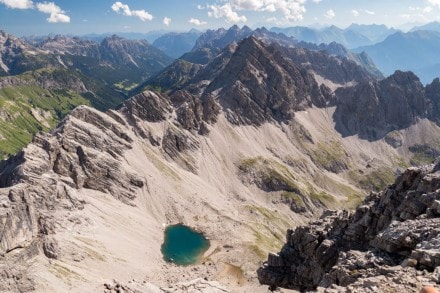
column 183, row 245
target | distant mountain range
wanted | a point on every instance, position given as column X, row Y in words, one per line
column 417, row 51
column 355, row 35
column 432, row 26
column 176, row 44
column 43, row 81
column 212, row 42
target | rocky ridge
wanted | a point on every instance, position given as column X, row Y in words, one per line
column 257, row 82
column 212, row 42
column 391, row 240
column 393, row 103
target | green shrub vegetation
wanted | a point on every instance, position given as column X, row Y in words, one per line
column 18, row 124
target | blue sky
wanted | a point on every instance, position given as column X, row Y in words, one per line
column 35, row 17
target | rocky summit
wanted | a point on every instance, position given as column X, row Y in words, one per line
column 390, row 242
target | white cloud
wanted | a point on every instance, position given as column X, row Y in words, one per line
column 292, row 10
column 355, row 13
column 166, row 21
column 225, row 11
column 370, row 12
column 330, row 14
column 427, row 9
column 317, row 1
column 56, row 13
column 119, row 7
column 435, row 2
column 406, row 16
column 197, row 22
column 18, row 4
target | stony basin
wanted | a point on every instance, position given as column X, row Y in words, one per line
column 183, row 245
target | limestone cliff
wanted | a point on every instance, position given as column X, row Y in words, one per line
column 385, row 243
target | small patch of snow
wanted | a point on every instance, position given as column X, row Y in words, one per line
column 3, row 66
column 61, row 61
column 132, row 60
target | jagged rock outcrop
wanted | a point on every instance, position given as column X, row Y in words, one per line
column 432, row 92
column 372, row 109
column 338, row 69
column 260, row 84
column 390, row 236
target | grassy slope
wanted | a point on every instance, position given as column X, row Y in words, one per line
column 18, row 124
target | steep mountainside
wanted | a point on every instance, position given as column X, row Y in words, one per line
column 328, row 71
column 391, row 242
column 38, row 100
column 176, row 44
column 211, row 43
column 374, row 109
column 256, row 82
column 416, row 51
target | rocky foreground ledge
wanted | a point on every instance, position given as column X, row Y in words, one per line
column 391, row 243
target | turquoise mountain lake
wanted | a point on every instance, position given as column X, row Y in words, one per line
column 183, row 245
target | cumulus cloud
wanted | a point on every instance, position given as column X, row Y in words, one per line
column 56, row 13
column 18, row 4
column 427, row 9
column 124, row 9
column 370, row 12
column 330, row 14
column 197, row 22
column 355, row 13
column 292, row 10
column 166, row 21
column 225, row 11
column 434, row 2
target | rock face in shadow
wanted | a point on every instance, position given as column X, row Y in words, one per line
column 391, row 235
column 372, row 109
